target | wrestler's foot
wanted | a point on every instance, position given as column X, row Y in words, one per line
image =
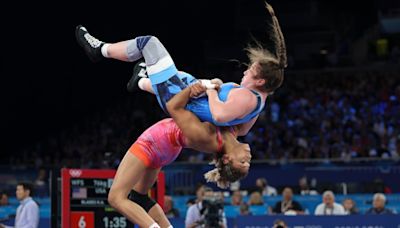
column 139, row 71
column 90, row 44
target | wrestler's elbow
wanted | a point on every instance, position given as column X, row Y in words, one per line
column 170, row 107
column 113, row 199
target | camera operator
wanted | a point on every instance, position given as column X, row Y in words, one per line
column 279, row 224
column 209, row 209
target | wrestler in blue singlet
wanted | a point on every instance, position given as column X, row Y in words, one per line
column 167, row 81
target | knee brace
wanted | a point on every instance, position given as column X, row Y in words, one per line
column 142, row 199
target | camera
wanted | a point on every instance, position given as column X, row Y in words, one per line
column 212, row 211
column 279, row 224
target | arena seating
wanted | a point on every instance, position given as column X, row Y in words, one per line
column 363, row 203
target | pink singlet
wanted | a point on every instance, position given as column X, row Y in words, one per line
column 161, row 144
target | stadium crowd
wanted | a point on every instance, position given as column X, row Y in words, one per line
column 341, row 115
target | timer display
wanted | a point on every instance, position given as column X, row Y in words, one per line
column 85, row 203
column 84, row 199
column 114, row 222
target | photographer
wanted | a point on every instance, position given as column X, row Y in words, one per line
column 207, row 212
column 279, row 224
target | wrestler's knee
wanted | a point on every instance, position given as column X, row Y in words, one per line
column 114, row 198
column 155, row 40
column 142, row 200
column 143, row 41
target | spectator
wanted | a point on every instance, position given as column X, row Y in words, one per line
column 287, row 205
column 349, row 207
column 220, row 195
column 329, row 206
column 305, row 188
column 378, row 185
column 237, row 198
column 234, row 185
column 41, row 179
column 193, row 200
column 41, row 184
column 195, row 216
column 4, row 199
column 169, row 209
column 244, row 209
column 378, row 206
column 255, row 199
column 28, row 211
column 190, row 202
column 200, row 192
column 265, row 189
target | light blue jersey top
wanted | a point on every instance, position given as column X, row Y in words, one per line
column 170, row 86
column 201, row 107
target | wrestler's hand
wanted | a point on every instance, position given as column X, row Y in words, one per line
column 196, row 90
column 211, row 84
column 217, row 86
column 217, row 81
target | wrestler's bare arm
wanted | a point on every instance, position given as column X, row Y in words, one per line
column 240, row 102
column 200, row 135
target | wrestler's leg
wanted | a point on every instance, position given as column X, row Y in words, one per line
column 159, row 64
column 160, row 67
column 150, row 48
column 129, row 173
column 143, row 186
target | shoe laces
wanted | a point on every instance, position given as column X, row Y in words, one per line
column 95, row 43
column 143, row 71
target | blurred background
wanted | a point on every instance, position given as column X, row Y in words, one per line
column 333, row 125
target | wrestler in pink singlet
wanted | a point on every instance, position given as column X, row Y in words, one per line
column 161, row 144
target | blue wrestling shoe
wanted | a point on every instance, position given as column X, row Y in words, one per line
column 90, row 44
column 139, row 71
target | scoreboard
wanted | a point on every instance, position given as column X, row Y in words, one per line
column 84, row 195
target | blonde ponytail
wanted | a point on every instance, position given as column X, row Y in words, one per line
column 215, row 177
